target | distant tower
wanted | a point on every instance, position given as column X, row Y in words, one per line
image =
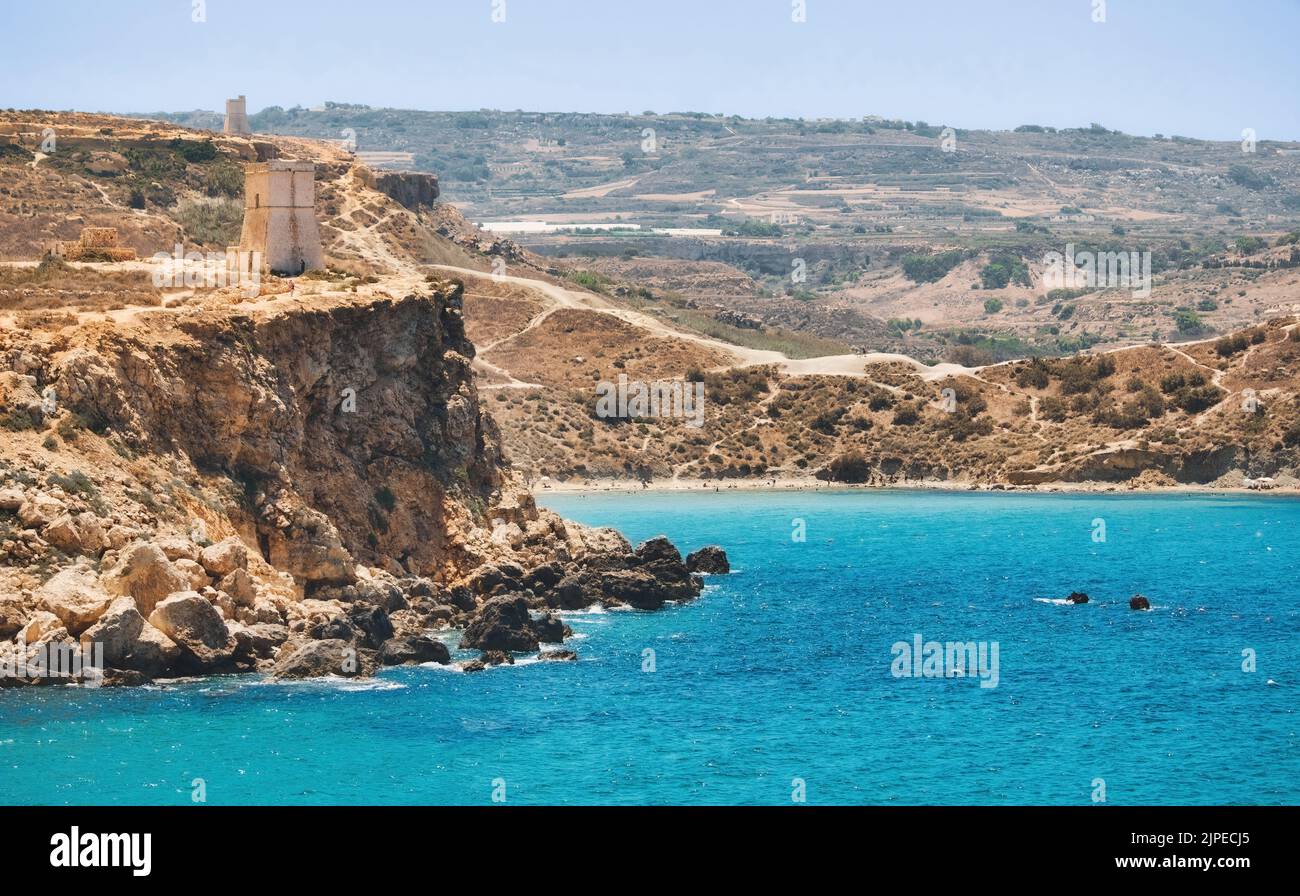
column 237, row 116
column 280, row 216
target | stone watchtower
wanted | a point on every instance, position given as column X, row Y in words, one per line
column 280, row 216
column 237, row 117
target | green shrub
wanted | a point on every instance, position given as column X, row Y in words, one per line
column 929, row 268
column 211, row 223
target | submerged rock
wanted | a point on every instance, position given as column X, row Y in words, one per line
column 558, row 656
column 490, row 658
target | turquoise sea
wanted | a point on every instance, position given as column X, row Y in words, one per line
column 781, row 674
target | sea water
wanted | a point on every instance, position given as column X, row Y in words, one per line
column 779, row 684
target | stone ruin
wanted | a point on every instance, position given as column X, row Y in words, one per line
column 95, row 244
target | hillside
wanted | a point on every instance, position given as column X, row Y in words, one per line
column 813, row 227
column 778, row 401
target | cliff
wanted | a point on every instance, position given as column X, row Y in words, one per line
column 304, row 485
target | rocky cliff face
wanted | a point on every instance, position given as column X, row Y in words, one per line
column 307, row 486
column 409, row 189
column 322, row 416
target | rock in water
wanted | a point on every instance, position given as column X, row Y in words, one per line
column 1138, row 602
column 710, row 560
column 413, row 650
column 317, row 659
column 502, row 624
column 1077, row 597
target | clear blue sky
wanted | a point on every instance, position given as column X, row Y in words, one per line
column 1201, row 68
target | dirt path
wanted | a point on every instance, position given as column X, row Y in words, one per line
column 831, row 365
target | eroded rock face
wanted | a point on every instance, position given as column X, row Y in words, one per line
column 409, row 189
column 344, row 443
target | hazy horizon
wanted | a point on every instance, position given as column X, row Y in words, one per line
column 1200, row 68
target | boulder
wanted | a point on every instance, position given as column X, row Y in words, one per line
column 502, row 624
column 575, row 592
column 178, row 547
column 224, row 557
column 1077, row 597
column 190, row 620
column 11, row 499
column 14, row 612
column 490, row 658
column 41, row 624
column 260, row 640
column 239, row 585
column 492, row 577
column 372, row 622
column 1138, row 602
column 335, row 628
column 153, row 653
column 262, row 612
column 62, row 533
column 634, row 587
column 413, row 650
column 40, row 511
column 543, row 578
column 710, row 560
column 128, row 642
column 317, row 659
column 74, row 596
column 197, row 575
column 462, row 599
column 119, row 537
column 657, row 549
column 550, row 629
column 143, row 572
column 558, row 656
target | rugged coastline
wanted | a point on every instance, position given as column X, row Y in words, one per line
column 297, row 488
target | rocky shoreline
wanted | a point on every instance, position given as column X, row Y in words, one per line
column 301, row 489
column 170, row 608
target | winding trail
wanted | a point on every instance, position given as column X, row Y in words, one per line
column 832, row 365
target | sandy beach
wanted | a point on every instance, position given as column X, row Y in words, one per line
column 809, row 483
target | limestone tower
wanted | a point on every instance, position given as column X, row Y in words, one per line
column 280, row 216
column 237, row 116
